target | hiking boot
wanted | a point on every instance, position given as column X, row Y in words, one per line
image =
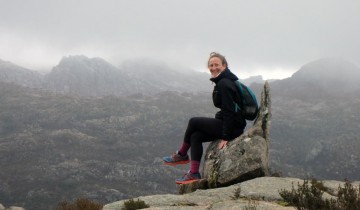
column 188, row 178
column 176, row 159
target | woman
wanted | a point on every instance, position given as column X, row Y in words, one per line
column 226, row 125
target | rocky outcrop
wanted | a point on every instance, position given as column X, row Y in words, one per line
column 244, row 158
column 260, row 193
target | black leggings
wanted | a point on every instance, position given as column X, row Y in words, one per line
column 204, row 129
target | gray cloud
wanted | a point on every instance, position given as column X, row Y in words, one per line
column 273, row 37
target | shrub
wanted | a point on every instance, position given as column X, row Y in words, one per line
column 237, row 193
column 305, row 197
column 309, row 197
column 133, row 205
column 349, row 197
column 79, row 204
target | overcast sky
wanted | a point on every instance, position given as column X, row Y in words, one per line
column 269, row 37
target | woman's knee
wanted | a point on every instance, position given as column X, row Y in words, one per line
column 196, row 122
column 192, row 120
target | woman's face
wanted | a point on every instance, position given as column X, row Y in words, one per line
column 216, row 66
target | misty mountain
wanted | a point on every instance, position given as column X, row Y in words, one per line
column 316, row 118
column 12, row 73
column 157, row 77
column 321, row 79
column 336, row 74
column 87, row 77
column 95, row 77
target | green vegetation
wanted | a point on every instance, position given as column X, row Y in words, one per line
column 309, row 196
column 133, row 205
column 79, row 204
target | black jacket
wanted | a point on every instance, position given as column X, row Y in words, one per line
column 224, row 95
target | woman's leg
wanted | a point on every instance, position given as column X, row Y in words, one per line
column 196, row 151
column 199, row 130
column 209, row 126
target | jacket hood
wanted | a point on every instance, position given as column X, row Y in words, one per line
column 225, row 74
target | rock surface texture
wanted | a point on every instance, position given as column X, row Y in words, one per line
column 260, row 193
column 11, row 208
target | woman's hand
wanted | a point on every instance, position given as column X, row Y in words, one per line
column 222, row 144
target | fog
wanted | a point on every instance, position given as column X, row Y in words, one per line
column 273, row 38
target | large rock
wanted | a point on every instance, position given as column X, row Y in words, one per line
column 244, row 158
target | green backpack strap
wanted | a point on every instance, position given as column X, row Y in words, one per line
column 237, row 107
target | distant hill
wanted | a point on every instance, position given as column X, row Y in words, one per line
column 12, row 73
column 315, row 125
column 87, row 77
column 336, row 75
column 321, row 79
column 95, row 77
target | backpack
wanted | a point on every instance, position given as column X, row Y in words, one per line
column 246, row 103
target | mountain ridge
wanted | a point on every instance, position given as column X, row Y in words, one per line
column 13, row 73
column 85, row 76
column 335, row 73
column 109, row 148
column 95, row 77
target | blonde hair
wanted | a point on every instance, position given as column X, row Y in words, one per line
column 218, row 55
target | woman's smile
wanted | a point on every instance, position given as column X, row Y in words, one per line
column 216, row 67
